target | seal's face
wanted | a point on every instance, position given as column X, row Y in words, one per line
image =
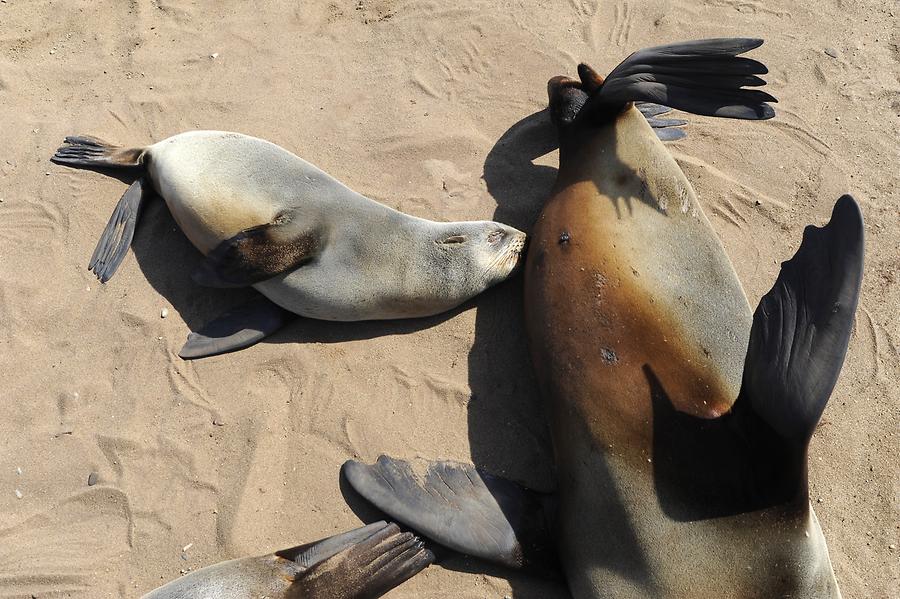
column 483, row 252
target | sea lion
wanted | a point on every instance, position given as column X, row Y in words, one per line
column 267, row 218
column 361, row 564
column 680, row 422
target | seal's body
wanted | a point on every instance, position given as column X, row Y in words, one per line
column 650, row 303
column 361, row 564
column 372, row 262
column 267, row 218
column 680, row 423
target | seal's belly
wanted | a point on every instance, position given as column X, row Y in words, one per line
column 626, row 280
column 627, row 290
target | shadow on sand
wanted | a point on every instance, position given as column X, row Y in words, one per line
column 507, row 428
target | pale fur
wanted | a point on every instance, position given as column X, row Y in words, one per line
column 375, row 262
column 265, row 576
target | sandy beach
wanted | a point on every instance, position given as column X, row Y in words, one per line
column 435, row 109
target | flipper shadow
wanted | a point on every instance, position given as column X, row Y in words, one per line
column 508, row 433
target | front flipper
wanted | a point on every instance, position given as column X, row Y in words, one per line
column 238, row 328
column 365, row 568
column 119, row 231
column 802, row 327
column 461, row 508
column 755, row 456
column 260, row 253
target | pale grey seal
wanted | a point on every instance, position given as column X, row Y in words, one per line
column 267, row 218
column 361, row 564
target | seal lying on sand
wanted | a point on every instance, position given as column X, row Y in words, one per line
column 680, row 423
column 361, row 564
column 267, row 218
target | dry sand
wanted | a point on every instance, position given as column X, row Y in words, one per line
column 413, row 104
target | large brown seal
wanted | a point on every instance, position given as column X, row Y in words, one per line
column 680, row 423
column 312, row 246
column 361, row 564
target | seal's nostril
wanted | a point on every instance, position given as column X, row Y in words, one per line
column 495, row 236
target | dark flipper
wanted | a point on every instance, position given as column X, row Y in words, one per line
column 650, row 110
column 363, row 568
column 802, row 327
column 259, row 253
column 84, row 150
column 704, row 77
column 670, row 134
column 238, row 328
column 119, row 231
column 755, row 456
column 566, row 98
column 461, row 508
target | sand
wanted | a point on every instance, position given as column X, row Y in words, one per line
column 414, row 104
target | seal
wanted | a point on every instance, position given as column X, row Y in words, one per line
column 361, row 564
column 267, row 218
column 680, row 421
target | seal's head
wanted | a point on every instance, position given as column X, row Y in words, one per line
column 475, row 255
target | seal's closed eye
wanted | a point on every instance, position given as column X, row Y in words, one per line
column 455, row 239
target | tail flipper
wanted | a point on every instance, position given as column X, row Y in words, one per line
column 705, row 77
column 362, row 568
column 118, row 234
column 460, row 508
column 802, row 327
column 84, row 150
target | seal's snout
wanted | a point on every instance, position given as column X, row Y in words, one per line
column 518, row 243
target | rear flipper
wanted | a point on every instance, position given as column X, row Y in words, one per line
column 705, row 77
column 352, row 567
column 567, row 97
column 360, row 564
column 84, row 150
column 461, row 508
column 238, row 328
column 118, row 234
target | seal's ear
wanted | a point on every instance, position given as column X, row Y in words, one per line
column 260, row 253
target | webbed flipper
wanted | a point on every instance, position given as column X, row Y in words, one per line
column 706, row 77
column 363, row 568
column 801, row 328
column 118, row 233
column 457, row 506
column 238, row 328
column 91, row 152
